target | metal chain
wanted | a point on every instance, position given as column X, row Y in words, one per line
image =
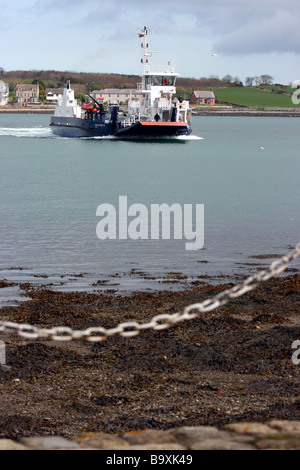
column 158, row 322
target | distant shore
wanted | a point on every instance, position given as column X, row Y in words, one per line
column 214, row 111
column 229, row 111
column 27, row 110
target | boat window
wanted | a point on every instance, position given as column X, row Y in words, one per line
column 160, row 80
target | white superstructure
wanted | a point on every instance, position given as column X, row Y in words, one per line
column 68, row 106
column 158, row 88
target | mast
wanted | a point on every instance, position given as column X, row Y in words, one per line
column 143, row 33
column 158, row 88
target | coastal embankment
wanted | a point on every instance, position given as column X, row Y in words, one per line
column 240, row 111
column 27, row 110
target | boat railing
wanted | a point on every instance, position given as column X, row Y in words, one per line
column 162, row 69
column 128, row 121
column 163, row 103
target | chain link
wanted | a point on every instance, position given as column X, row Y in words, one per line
column 158, row 322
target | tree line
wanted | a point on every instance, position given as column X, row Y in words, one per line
column 99, row 80
column 84, row 83
column 250, row 81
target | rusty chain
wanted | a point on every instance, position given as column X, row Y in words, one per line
column 158, row 322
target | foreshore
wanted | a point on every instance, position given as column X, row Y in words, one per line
column 225, row 380
column 181, row 442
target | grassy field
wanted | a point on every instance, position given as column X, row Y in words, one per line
column 255, row 97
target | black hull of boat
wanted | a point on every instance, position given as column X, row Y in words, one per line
column 150, row 129
column 78, row 127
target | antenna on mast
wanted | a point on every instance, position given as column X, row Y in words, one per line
column 143, row 33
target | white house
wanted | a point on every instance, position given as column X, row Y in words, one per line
column 296, row 84
column 54, row 94
column 4, row 93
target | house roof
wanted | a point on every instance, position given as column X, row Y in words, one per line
column 54, row 91
column 116, row 91
column 204, row 94
column 26, row 87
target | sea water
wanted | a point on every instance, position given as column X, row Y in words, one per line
column 244, row 170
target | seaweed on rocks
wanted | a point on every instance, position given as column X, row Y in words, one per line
column 231, row 364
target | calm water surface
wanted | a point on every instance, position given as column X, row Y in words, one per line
column 50, row 189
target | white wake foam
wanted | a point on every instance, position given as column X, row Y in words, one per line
column 25, row 131
column 101, row 137
column 189, row 137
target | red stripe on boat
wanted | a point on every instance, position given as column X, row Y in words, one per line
column 162, row 124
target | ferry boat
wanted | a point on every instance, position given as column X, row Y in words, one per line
column 157, row 114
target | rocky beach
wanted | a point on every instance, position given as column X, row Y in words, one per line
column 211, row 378
column 149, row 222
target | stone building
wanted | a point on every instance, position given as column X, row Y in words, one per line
column 203, row 97
column 27, row 93
column 116, row 95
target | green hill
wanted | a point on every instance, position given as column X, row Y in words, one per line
column 256, row 97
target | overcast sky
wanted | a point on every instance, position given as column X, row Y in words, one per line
column 251, row 37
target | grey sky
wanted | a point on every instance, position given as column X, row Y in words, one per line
column 251, row 37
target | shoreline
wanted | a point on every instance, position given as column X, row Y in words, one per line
column 123, row 284
column 292, row 112
column 26, row 110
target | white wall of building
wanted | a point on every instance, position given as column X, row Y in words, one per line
column 4, row 93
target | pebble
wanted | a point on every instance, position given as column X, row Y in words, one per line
column 274, row 435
